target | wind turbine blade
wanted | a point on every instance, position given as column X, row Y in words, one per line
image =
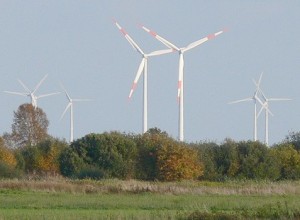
column 40, row 83
column 180, row 77
column 259, row 80
column 68, row 106
column 258, row 99
column 269, row 111
column 81, row 100
column 63, row 88
column 160, row 52
column 16, row 93
column 24, row 86
column 260, row 111
column 241, row 100
column 136, row 79
column 264, row 106
column 261, row 92
column 201, row 41
column 129, row 39
column 161, row 39
column 279, row 99
column 49, row 94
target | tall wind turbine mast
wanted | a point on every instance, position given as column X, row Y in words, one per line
column 265, row 106
column 142, row 68
column 181, row 52
column 70, row 105
column 255, row 98
column 31, row 93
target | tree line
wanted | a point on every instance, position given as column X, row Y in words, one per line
column 151, row 156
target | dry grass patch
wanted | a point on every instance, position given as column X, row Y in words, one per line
column 59, row 184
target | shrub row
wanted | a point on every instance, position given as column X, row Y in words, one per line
column 153, row 156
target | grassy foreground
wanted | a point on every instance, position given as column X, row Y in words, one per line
column 115, row 199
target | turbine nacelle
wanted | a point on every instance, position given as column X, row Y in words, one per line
column 31, row 93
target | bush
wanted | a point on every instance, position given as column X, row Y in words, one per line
column 148, row 145
column 43, row 157
column 257, row 162
column 7, row 171
column 70, row 163
column 114, row 153
column 289, row 160
column 6, row 155
column 177, row 162
column 197, row 215
column 207, row 153
column 91, row 173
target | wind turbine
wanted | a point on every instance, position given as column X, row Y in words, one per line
column 31, row 93
column 255, row 98
column 70, row 105
column 142, row 68
column 181, row 51
column 265, row 106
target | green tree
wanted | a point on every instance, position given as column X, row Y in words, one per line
column 294, row 139
column 228, row 161
column 257, row 162
column 113, row 152
column 289, row 159
column 208, row 153
column 70, row 163
column 44, row 156
column 148, row 145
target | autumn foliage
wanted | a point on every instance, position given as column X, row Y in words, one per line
column 6, row 155
column 177, row 162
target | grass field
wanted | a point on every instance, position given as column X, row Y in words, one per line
column 114, row 199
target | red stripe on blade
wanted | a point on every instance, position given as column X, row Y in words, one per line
column 123, row 31
column 153, row 33
column 211, row 36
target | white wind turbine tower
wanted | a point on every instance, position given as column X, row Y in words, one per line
column 142, row 68
column 255, row 98
column 265, row 106
column 31, row 93
column 181, row 51
column 70, row 105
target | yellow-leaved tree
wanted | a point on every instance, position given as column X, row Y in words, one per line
column 6, row 155
column 177, row 162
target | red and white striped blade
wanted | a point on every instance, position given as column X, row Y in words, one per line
column 161, row 39
column 136, row 79
column 160, row 52
column 201, row 41
column 129, row 39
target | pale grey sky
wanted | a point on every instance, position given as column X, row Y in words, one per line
column 77, row 43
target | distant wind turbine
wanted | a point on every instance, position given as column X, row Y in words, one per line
column 255, row 98
column 70, row 105
column 142, row 68
column 181, row 51
column 31, row 93
column 265, row 106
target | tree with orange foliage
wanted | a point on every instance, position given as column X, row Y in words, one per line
column 177, row 162
column 6, row 155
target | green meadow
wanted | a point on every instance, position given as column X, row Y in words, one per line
column 115, row 199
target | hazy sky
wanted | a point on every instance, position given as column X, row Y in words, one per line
column 77, row 43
